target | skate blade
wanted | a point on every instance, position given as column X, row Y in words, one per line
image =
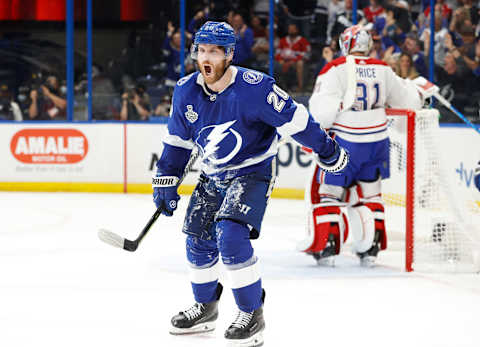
column 253, row 341
column 368, row 261
column 327, row 261
column 197, row 329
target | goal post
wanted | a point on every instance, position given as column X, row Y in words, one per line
column 438, row 221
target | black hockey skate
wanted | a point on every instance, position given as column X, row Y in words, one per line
column 327, row 256
column 199, row 318
column 247, row 329
column 367, row 259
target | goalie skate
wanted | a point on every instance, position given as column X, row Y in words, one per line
column 199, row 318
column 368, row 258
column 327, row 256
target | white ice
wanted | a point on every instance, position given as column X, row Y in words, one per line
column 62, row 287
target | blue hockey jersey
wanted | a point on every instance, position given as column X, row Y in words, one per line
column 237, row 129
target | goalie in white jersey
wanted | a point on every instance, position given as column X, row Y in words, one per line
column 350, row 97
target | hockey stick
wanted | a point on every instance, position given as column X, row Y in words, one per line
column 120, row 242
column 448, row 105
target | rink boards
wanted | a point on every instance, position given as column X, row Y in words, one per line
column 120, row 157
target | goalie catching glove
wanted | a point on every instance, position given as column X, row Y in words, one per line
column 334, row 163
column 165, row 193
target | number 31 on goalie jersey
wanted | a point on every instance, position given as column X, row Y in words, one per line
column 366, row 92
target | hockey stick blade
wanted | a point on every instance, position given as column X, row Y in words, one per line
column 117, row 241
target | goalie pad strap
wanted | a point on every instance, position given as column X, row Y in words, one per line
column 165, row 181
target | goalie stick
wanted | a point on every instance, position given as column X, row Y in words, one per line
column 115, row 240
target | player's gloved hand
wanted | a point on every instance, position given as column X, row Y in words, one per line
column 165, row 193
column 334, row 163
column 477, row 176
column 426, row 89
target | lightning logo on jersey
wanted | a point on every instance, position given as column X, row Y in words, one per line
column 210, row 137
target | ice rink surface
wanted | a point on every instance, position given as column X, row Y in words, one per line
column 62, row 287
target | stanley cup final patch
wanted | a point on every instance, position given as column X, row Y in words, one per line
column 191, row 115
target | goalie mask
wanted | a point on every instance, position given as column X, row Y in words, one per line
column 355, row 39
column 214, row 33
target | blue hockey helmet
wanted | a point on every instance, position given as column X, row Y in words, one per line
column 214, row 33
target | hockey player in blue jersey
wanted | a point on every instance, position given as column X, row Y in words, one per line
column 234, row 116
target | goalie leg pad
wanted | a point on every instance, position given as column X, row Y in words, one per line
column 370, row 196
column 362, row 227
column 326, row 219
column 378, row 211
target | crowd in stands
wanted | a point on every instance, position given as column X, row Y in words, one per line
column 305, row 39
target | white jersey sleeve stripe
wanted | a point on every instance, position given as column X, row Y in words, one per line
column 177, row 141
column 297, row 124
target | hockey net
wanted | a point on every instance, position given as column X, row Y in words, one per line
column 438, row 220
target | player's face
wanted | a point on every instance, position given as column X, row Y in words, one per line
column 212, row 62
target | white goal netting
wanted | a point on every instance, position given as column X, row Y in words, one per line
column 435, row 219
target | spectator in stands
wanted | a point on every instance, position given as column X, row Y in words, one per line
column 411, row 45
column 378, row 48
column 244, row 41
column 465, row 18
column 373, row 11
column 300, row 13
column 392, row 32
column 258, row 28
column 472, row 79
column 344, row 18
column 261, row 50
column 334, row 7
column 171, row 50
column 261, row 9
column 9, row 109
column 390, row 28
column 443, row 7
column 472, row 59
column 195, row 23
column 391, row 57
column 47, row 102
column 293, row 51
column 163, row 108
column 440, row 34
column 455, row 81
column 329, row 53
column 135, row 104
column 405, row 67
column 103, row 93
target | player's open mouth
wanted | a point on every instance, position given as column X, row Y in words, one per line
column 208, row 69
